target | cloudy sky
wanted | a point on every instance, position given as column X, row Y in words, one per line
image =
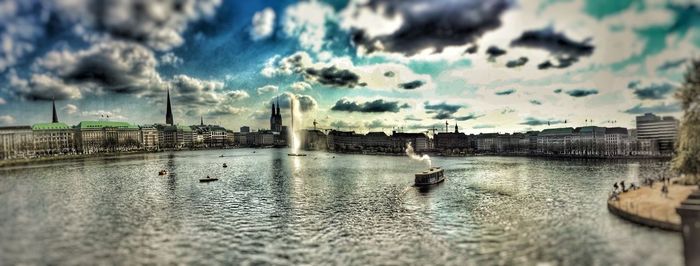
column 489, row 66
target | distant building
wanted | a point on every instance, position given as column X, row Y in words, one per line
column 419, row 141
column 245, row 129
column 148, row 136
column 663, row 130
column 53, row 138
column 617, row 141
column 555, row 140
column 314, row 140
column 276, row 118
column 106, row 136
column 16, row 142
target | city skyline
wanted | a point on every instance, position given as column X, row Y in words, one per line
column 520, row 66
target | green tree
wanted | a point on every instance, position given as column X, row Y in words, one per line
column 687, row 159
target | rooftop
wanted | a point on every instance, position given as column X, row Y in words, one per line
column 50, row 126
column 103, row 124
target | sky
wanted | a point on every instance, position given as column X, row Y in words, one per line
column 367, row 65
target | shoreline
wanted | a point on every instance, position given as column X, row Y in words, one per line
column 646, row 206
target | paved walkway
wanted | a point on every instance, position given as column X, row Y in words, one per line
column 648, row 206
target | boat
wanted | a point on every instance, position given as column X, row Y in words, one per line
column 296, row 154
column 162, row 172
column 221, row 156
column 208, row 179
column 431, row 176
column 225, row 165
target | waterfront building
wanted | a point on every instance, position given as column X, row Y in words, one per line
column 419, row 141
column 344, row 141
column 53, row 138
column 616, row 141
column 313, row 139
column 106, row 136
column 555, row 140
column 230, row 137
column 664, row 130
column 148, row 136
column 589, row 140
column 452, row 143
column 379, row 141
column 264, row 138
column 212, row 135
column 16, row 142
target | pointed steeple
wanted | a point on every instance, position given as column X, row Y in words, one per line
column 278, row 107
column 201, row 121
column 55, row 116
column 273, row 108
column 169, row 112
column 456, row 128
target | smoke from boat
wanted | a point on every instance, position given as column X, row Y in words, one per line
column 412, row 154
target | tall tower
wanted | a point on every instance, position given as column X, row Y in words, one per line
column 55, row 116
column 273, row 118
column 456, row 128
column 169, row 112
column 201, row 121
column 279, row 116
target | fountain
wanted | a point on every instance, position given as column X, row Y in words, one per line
column 296, row 115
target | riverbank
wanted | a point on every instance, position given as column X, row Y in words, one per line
column 648, row 206
column 38, row 160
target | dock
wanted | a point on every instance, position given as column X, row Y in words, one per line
column 648, row 206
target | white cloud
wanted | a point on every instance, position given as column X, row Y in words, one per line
column 267, row 89
column 70, row 108
column 300, row 86
column 306, row 21
column 170, row 59
column 2, row 101
column 238, row 95
column 6, row 119
column 263, row 24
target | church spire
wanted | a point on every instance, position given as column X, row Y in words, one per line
column 169, row 112
column 201, row 120
column 278, row 106
column 55, row 116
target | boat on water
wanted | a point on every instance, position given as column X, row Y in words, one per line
column 221, row 156
column 296, row 154
column 208, row 179
column 162, row 172
column 431, row 176
column 225, row 165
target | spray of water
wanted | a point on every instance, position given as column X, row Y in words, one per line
column 297, row 120
column 412, row 154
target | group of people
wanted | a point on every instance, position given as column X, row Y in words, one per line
column 620, row 187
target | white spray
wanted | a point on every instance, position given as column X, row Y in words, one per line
column 412, row 154
column 296, row 121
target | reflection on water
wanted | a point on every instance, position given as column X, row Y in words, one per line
column 271, row 208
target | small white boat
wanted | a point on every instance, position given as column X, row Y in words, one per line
column 431, row 176
column 296, row 154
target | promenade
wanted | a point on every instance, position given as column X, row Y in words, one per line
column 648, row 206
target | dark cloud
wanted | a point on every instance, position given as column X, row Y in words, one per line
column 535, row 102
column 581, row 92
column 376, row 106
column 472, row 49
column 333, row 76
column 671, row 64
column 659, row 108
column 653, row 91
column 532, row 121
column 158, row 24
column 566, row 50
column 411, row 85
column 433, row 24
column 505, row 92
column 517, row 62
column 494, row 52
column 562, row 62
column 389, row 74
column 118, row 67
column 442, row 110
column 470, row 116
column 557, row 91
column 633, row 84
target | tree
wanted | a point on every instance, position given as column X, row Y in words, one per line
column 687, row 159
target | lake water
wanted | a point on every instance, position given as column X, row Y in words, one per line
column 268, row 208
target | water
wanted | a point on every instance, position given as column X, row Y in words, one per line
column 321, row 209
